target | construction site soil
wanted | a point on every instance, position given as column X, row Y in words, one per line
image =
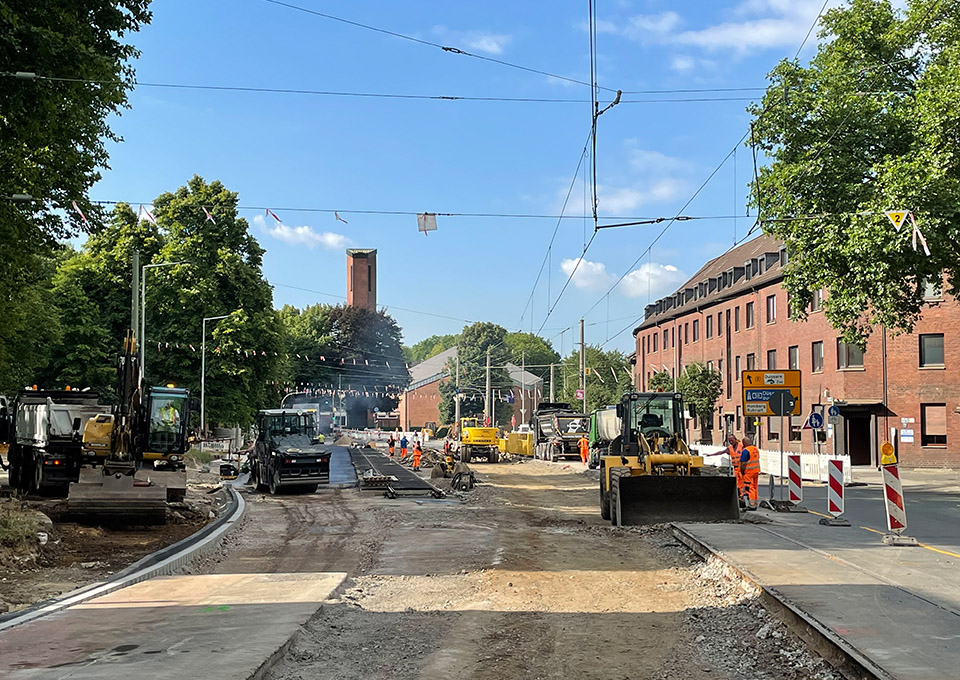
column 518, row 578
column 64, row 556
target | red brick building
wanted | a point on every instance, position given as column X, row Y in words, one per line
column 732, row 315
column 362, row 278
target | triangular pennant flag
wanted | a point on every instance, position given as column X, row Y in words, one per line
column 613, row 372
column 916, row 233
column 272, row 214
column 336, row 215
column 209, row 216
column 146, row 212
column 75, row 207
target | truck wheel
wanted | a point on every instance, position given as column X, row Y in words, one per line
column 275, row 483
column 36, row 483
column 465, row 454
column 615, row 474
column 310, row 489
column 604, row 503
column 494, row 456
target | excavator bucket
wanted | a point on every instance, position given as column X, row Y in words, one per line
column 116, row 499
column 653, row 499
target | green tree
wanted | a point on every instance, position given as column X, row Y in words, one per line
column 54, row 135
column 871, row 125
column 701, row 387
column 662, row 381
column 222, row 275
column 472, row 348
column 608, row 378
column 429, row 347
column 536, row 352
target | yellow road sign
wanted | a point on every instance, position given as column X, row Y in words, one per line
column 771, row 393
column 897, row 217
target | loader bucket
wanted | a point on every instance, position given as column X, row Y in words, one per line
column 653, row 499
column 116, row 499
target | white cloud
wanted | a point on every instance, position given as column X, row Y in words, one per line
column 657, row 162
column 589, row 275
column 755, row 25
column 304, row 235
column 479, row 41
column 653, row 279
column 622, row 200
column 684, row 63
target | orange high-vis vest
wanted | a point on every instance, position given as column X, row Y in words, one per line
column 753, row 464
column 584, row 444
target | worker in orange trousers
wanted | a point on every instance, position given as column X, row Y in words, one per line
column 403, row 447
column 391, row 443
column 735, row 450
column 750, row 472
column 417, row 452
column 584, row 445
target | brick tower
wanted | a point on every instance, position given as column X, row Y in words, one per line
column 362, row 278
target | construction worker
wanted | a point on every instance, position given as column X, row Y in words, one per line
column 417, row 452
column 403, row 447
column 391, row 443
column 734, row 450
column 750, row 472
column 584, row 445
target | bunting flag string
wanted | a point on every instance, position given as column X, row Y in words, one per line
column 371, row 363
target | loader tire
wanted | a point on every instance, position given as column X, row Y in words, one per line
column 494, row 456
column 465, row 455
column 615, row 474
column 604, row 502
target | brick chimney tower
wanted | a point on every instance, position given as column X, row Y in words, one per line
column 362, row 278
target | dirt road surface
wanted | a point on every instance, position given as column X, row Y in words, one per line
column 520, row 579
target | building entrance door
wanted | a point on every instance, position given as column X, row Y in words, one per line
column 858, row 439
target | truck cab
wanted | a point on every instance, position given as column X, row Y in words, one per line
column 285, row 455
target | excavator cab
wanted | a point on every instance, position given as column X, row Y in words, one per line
column 656, row 477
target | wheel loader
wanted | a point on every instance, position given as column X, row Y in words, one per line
column 649, row 475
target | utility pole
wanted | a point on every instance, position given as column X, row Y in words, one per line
column 456, row 396
column 486, row 399
column 523, row 385
column 583, row 369
column 552, row 391
column 134, row 306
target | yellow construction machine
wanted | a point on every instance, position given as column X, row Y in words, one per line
column 648, row 472
column 476, row 440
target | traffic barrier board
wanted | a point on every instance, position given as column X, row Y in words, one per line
column 795, row 481
column 835, row 487
column 893, row 499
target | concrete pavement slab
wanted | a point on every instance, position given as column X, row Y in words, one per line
column 894, row 610
column 211, row 626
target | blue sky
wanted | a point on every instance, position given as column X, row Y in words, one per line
column 345, row 153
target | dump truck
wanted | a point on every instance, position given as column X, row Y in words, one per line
column 44, row 432
column 285, row 454
column 649, row 475
column 604, row 429
column 559, row 429
column 476, row 440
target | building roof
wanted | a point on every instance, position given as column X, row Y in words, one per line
column 755, row 263
column 363, row 252
column 521, row 378
column 430, row 370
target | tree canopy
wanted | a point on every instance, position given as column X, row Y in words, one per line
column 472, row 349
column 608, row 378
column 429, row 347
column 700, row 386
column 871, row 125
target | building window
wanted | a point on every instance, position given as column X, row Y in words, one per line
column 848, row 356
column 655, row 336
column 771, row 309
column 750, row 319
column 931, row 349
column 709, row 326
column 643, row 343
column 933, row 288
column 370, row 277
column 771, row 359
column 686, row 334
column 719, row 324
column 737, row 364
column 696, row 330
column 751, row 362
column 673, row 336
column 736, row 318
column 739, row 418
column 773, row 429
column 709, row 365
column 933, row 424
column 816, row 301
column 796, row 428
column 666, row 339
column 793, row 358
column 816, row 353
column 720, row 369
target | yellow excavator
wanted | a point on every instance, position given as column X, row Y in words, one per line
column 648, row 473
column 134, row 455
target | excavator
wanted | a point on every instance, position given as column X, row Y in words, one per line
column 648, row 474
column 134, row 455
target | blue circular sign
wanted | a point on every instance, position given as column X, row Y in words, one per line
column 816, row 421
column 834, row 410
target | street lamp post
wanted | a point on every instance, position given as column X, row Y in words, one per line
column 143, row 311
column 203, row 373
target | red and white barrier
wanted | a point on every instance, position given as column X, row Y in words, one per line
column 794, row 478
column 835, row 487
column 893, row 499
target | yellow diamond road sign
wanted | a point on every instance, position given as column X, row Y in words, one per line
column 897, row 217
